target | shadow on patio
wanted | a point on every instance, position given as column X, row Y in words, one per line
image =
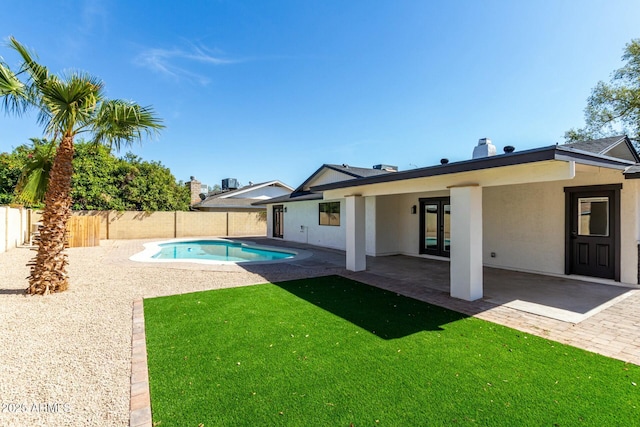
column 561, row 298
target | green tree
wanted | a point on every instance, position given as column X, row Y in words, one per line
column 96, row 182
column 150, row 186
column 101, row 181
column 68, row 105
column 614, row 108
column 10, row 169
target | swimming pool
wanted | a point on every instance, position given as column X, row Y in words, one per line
column 211, row 251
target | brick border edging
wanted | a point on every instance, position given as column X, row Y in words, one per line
column 140, row 409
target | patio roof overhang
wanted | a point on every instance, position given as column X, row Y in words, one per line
column 539, row 165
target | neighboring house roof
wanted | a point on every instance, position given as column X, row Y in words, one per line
column 244, row 197
column 337, row 173
column 554, row 152
column 616, row 146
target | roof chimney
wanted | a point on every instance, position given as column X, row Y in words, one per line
column 484, row 149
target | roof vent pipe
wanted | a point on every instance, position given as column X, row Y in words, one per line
column 509, row 149
column 444, row 161
column 484, row 149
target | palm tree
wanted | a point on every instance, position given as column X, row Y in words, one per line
column 68, row 105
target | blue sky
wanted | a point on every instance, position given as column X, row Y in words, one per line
column 262, row 90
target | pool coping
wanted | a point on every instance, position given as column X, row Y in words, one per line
column 152, row 248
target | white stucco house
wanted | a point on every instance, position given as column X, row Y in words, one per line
column 248, row 198
column 570, row 209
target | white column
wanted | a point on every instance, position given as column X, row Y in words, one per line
column 355, row 233
column 466, row 242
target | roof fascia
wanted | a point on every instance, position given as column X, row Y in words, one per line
column 632, row 149
column 553, row 152
column 589, row 158
column 346, row 172
column 282, row 199
column 612, row 145
column 528, row 156
column 300, row 188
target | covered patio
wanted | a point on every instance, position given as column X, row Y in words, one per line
column 555, row 211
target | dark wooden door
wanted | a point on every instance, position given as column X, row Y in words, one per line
column 435, row 226
column 594, row 223
column 278, row 221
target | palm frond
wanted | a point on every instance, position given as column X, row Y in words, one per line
column 70, row 103
column 12, row 91
column 37, row 72
column 34, row 180
column 122, row 122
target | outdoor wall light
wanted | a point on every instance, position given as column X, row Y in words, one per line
column 285, row 208
column 414, row 210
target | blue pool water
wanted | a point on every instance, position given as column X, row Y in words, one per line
column 218, row 250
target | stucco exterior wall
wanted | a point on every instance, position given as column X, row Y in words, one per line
column 301, row 224
column 525, row 224
column 13, row 227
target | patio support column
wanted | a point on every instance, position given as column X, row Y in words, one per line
column 466, row 242
column 355, row 233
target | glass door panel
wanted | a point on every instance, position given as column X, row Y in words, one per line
column 435, row 226
column 593, row 216
column 446, row 238
column 431, row 227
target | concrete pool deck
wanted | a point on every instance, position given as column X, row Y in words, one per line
column 81, row 348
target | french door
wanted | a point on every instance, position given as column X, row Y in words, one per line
column 278, row 221
column 435, row 226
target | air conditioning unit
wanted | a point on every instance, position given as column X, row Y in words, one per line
column 229, row 184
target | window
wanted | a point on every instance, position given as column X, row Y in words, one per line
column 593, row 216
column 330, row 213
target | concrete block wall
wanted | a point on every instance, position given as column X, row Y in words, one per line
column 141, row 225
column 147, row 225
column 16, row 223
column 191, row 224
column 247, row 224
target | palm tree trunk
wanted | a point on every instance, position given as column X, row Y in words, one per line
column 49, row 267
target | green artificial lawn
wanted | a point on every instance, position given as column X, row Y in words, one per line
column 334, row 352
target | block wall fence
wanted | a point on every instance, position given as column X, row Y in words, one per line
column 16, row 224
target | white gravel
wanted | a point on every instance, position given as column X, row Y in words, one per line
column 66, row 358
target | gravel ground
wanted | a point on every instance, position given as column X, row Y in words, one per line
column 66, row 358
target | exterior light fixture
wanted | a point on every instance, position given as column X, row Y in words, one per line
column 414, row 209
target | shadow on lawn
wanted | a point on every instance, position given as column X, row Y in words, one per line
column 383, row 313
